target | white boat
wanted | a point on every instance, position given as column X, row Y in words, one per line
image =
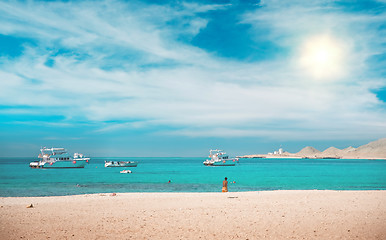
column 125, row 171
column 59, row 158
column 220, row 158
column 120, row 164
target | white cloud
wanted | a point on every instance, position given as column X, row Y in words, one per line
column 184, row 86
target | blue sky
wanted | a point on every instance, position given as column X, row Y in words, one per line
column 177, row 78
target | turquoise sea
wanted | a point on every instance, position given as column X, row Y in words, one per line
column 190, row 175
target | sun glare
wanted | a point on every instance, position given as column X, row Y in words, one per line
column 322, row 57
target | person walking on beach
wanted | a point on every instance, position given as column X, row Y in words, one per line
column 225, row 185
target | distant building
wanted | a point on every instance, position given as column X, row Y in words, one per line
column 280, row 151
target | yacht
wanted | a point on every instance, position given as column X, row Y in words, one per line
column 220, row 158
column 59, row 158
column 120, row 164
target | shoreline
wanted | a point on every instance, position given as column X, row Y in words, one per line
column 148, row 194
column 217, row 192
column 277, row 214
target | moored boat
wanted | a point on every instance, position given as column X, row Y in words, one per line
column 120, row 164
column 59, row 158
column 220, row 158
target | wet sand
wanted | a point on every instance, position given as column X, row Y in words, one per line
column 235, row 215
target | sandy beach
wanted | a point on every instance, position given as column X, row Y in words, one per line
column 236, row 215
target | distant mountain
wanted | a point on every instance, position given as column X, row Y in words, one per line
column 331, row 152
column 308, row 152
column 372, row 150
column 375, row 149
column 349, row 149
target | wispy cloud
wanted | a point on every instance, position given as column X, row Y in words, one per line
column 113, row 60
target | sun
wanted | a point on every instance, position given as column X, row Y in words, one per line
column 322, row 57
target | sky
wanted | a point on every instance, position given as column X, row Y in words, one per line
column 177, row 78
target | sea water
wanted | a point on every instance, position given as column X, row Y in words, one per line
column 190, row 175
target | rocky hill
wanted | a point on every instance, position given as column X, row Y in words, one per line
column 332, row 152
column 376, row 149
column 308, row 152
column 349, row 149
column 372, row 150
